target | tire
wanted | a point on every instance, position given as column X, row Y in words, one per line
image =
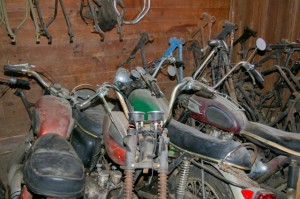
column 214, row 188
column 2, row 190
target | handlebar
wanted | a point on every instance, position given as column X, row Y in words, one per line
column 257, row 76
column 13, row 81
column 254, row 74
column 13, row 69
column 19, row 82
column 26, row 70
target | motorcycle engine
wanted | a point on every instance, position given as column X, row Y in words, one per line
column 103, row 183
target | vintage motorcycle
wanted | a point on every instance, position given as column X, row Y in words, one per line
column 45, row 163
column 138, row 141
column 138, row 144
column 213, row 113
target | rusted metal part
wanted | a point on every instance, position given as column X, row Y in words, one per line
column 4, row 20
column 100, row 12
column 240, row 174
column 42, row 23
column 29, row 8
column 206, row 20
column 144, row 39
column 70, row 33
column 82, row 6
column 96, row 21
column 247, row 33
column 35, row 20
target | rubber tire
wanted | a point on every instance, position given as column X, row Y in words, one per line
column 2, row 190
column 221, row 189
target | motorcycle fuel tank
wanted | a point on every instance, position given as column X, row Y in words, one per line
column 143, row 100
column 217, row 111
column 52, row 115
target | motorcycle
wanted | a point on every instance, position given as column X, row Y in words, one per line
column 277, row 163
column 45, row 163
column 138, row 143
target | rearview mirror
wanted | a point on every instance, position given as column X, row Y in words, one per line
column 261, row 44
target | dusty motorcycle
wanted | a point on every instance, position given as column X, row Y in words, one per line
column 45, row 163
column 49, row 162
column 137, row 142
column 213, row 113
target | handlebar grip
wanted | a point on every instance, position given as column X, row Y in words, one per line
column 13, row 69
column 22, row 83
column 257, row 75
column 18, row 82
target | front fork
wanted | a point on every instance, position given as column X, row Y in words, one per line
column 146, row 161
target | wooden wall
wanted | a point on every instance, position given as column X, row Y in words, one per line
column 272, row 19
column 87, row 59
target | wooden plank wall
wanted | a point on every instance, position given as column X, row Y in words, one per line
column 87, row 59
column 272, row 19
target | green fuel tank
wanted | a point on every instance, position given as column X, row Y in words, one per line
column 143, row 100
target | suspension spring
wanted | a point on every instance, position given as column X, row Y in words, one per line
column 128, row 184
column 162, row 184
column 184, row 173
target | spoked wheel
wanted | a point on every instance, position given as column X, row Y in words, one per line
column 194, row 186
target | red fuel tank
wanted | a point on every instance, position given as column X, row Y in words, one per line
column 217, row 111
column 52, row 115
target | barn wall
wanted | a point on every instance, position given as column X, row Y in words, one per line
column 87, row 59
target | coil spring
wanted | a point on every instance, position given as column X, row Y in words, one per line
column 184, row 173
column 162, row 185
column 128, row 184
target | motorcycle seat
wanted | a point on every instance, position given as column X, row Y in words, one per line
column 52, row 168
column 207, row 147
column 285, row 143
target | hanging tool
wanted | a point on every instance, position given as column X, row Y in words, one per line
column 205, row 20
column 29, row 8
column 247, row 33
column 42, row 24
column 103, row 15
column 70, row 33
column 4, row 20
column 144, row 39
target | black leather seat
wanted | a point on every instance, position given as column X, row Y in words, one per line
column 52, row 168
column 283, row 142
column 207, row 147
